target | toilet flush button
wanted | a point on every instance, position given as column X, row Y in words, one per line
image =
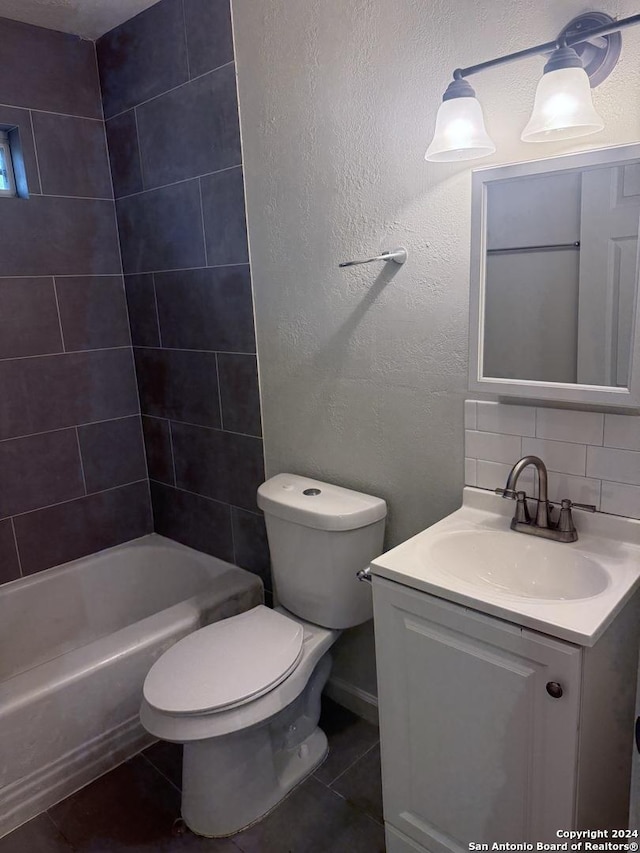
column 312, row 492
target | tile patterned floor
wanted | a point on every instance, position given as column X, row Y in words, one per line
column 133, row 808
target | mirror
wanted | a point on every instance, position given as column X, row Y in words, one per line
column 554, row 287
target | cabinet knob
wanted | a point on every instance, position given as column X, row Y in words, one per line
column 554, row 689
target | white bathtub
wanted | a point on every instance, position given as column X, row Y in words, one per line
column 76, row 643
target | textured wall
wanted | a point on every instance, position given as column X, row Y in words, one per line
column 169, row 90
column 363, row 375
column 73, row 477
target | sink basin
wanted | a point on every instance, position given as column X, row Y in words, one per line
column 571, row 591
column 516, row 565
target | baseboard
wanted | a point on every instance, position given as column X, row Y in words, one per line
column 33, row 794
column 363, row 704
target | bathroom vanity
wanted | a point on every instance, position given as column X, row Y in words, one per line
column 507, row 670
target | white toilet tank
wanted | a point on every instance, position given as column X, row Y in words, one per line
column 320, row 535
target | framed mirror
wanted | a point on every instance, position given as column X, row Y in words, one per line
column 554, row 312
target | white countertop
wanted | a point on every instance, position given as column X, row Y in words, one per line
column 611, row 541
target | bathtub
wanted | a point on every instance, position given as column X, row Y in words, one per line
column 76, row 643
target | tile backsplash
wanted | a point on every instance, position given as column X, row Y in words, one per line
column 592, row 457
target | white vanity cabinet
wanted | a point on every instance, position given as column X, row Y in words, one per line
column 478, row 745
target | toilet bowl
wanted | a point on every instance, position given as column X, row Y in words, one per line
column 243, row 694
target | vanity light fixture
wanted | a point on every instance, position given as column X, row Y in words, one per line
column 563, row 108
column 583, row 55
column 460, row 132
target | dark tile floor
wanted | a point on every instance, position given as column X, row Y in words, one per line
column 133, row 808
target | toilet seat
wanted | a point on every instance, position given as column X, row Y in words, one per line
column 226, row 664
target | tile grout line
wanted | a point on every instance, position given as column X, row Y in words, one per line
column 69, row 426
column 57, row 828
column 55, row 293
column 173, row 456
column 67, row 352
column 219, row 395
column 71, row 500
column 201, row 426
column 135, row 415
column 572, row 442
column 189, row 269
column 204, row 230
column 180, row 349
column 155, row 302
column 73, row 275
column 126, row 310
column 15, row 542
column 77, row 197
column 167, row 91
column 139, row 147
column 172, row 184
column 49, row 112
column 35, row 152
column 233, row 538
column 144, row 449
column 353, row 763
column 158, row 771
column 254, row 512
column 353, row 805
column 186, row 40
column 206, row 497
column 84, row 479
column 125, row 274
column 148, row 484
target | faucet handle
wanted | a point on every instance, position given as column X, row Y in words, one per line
column 507, row 493
column 568, row 504
column 522, row 511
column 565, row 522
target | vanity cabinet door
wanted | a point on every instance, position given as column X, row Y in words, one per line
column 474, row 747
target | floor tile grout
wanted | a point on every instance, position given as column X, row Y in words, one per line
column 159, row 772
column 57, row 828
column 353, row 763
column 353, row 805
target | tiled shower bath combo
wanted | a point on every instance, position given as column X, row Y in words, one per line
column 127, row 373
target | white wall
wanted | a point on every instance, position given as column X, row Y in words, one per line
column 363, row 375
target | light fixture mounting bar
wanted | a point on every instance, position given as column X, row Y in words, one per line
column 549, row 46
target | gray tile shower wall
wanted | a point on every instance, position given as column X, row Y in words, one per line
column 73, row 473
column 169, row 93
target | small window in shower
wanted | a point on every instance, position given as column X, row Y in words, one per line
column 7, row 178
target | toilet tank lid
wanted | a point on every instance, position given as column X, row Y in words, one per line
column 322, row 506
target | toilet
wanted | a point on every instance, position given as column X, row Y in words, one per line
column 243, row 694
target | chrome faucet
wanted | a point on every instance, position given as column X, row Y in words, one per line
column 564, row 529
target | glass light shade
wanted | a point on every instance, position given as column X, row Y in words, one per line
column 563, row 108
column 460, row 133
